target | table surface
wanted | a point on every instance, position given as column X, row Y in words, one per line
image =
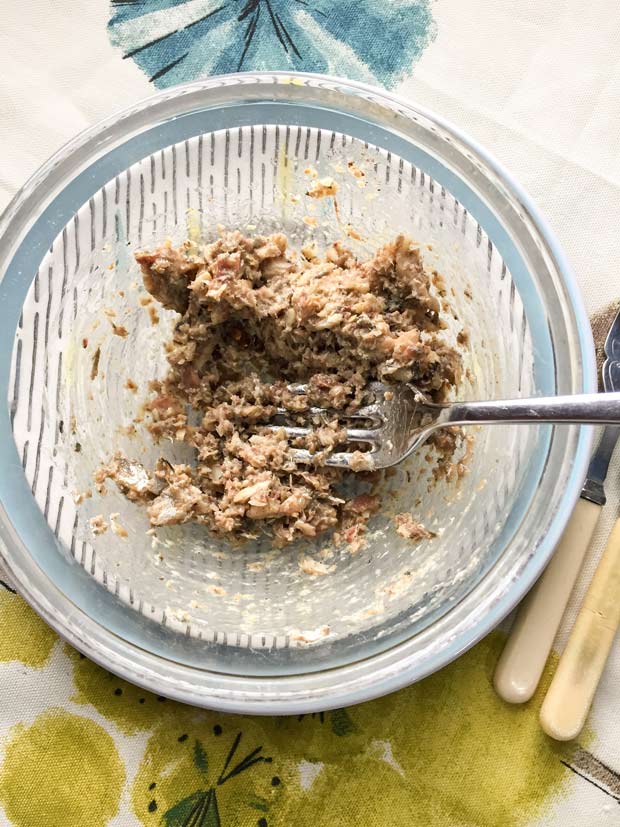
column 539, row 85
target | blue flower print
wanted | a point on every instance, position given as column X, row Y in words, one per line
column 175, row 41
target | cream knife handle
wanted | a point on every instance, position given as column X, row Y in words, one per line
column 581, row 665
column 522, row 662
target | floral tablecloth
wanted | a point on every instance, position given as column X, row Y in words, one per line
column 539, row 85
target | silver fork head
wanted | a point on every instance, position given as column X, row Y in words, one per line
column 400, row 418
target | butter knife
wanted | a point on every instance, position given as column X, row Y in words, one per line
column 523, row 659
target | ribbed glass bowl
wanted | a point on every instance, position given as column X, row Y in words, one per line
column 247, row 629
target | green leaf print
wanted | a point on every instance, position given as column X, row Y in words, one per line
column 200, row 757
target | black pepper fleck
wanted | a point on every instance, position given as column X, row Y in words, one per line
column 275, row 781
column 217, row 729
column 118, row 691
column 152, row 806
column 152, row 786
column 182, row 738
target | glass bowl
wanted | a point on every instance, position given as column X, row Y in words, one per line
column 248, row 629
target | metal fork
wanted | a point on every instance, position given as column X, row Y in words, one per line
column 402, row 418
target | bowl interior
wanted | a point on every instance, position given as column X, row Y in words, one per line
column 188, row 596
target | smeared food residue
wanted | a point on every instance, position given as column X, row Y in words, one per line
column 322, row 188
column 410, row 529
column 117, row 527
column 119, row 330
column 94, row 370
column 314, row 567
column 98, row 524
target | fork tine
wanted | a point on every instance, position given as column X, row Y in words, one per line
column 362, row 435
column 352, row 434
column 339, row 460
column 370, row 412
column 312, row 411
column 289, row 430
column 363, row 413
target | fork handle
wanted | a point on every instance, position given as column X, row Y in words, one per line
column 581, row 665
column 523, row 660
column 602, row 408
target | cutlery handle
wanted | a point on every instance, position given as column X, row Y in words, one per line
column 581, row 665
column 521, row 664
column 578, row 408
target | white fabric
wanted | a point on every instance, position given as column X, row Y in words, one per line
column 536, row 83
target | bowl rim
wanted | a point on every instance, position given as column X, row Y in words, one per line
column 292, row 694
